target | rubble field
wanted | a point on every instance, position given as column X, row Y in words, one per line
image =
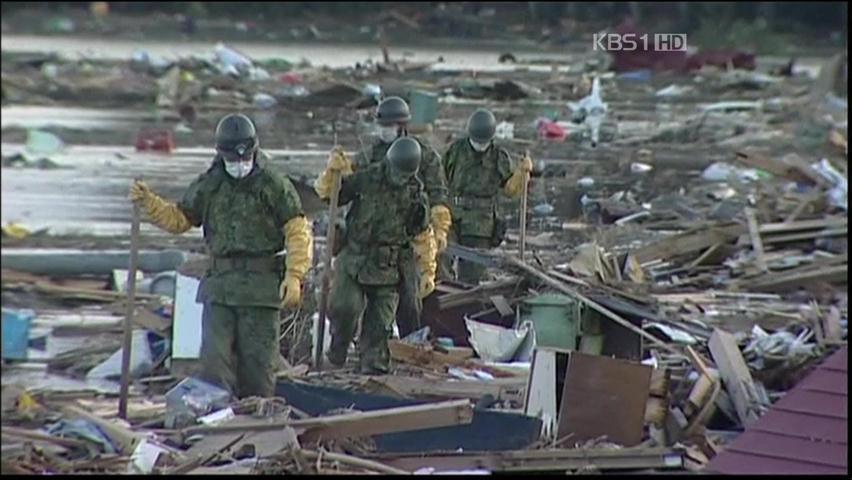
column 680, row 299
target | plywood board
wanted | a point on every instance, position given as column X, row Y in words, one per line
column 604, row 396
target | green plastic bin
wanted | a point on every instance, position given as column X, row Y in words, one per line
column 555, row 320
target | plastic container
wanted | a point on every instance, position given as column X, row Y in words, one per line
column 424, row 107
column 16, row 333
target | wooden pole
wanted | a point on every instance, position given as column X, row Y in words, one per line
column 330, row 238
column 524, row 196
column 128, row 317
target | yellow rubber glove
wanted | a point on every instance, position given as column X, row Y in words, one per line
column 515, row 186
column 425, row 252
column 164, row 214
column 297, row 238
column 441, row 221
column 337, row 162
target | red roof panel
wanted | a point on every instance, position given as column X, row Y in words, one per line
column 803, row 433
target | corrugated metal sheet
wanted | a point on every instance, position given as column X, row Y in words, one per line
column 803, row 433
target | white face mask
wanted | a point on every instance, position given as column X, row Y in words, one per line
column 479, row 147
column 239, row 169
column 388, row 134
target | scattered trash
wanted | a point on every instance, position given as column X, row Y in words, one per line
column 82, row 429
column 16, row 333
column 217, row 417
column 550, row 130
column 837, row 195
column 61, row 25
column 505, row 131
column 43, row 143
column 586, row 182
column 16, row 231
column 723, row 172
column 264, row 100
column 145, row 348
column 157, row 140
column 674, row 91
column 496, row 344
column 638, row 168
column 191, row 399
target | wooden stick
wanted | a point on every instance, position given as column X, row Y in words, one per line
column 524, row 196
column 355, row 462
column 41, row 437
column 128, row 318
column 756, row 243
column 330, row 235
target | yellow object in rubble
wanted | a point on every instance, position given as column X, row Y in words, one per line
column 15, row 230
column 26, row 402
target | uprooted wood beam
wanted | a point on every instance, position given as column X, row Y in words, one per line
column 359, row 424
column 554, row 460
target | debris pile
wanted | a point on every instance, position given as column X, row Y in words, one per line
column 682, row 275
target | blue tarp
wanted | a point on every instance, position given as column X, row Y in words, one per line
column 489, row 430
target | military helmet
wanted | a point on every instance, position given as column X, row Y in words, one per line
column 236, row 137
column 404, row 156
column 393, row 110
column 481, row 126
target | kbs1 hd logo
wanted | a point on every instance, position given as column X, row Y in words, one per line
column 628, row 42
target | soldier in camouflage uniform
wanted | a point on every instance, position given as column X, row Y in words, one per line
column 476, row 171
column 387, row 226
column 392, row 116
column 249, row 213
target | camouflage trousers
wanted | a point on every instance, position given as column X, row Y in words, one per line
column 239, row 348
column 468, row 272
column 410, row 304
column 347, row 300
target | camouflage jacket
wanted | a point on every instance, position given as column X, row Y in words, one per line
column 475, row 179
column 242, row 218
column 380, row 225
column 430, row 174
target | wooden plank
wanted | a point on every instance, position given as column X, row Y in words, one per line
column 659, row 382
column 551, row 460
column 123, row 438
column 41, row 437
column 831, row 325
column 502, row 305
column 798, row 237
column 688, row 242
column 785, row 227
column 540, row 399
column 734, row 373
column 604, row 396
column 756, row 243
column 500, row 388
column 359, row 424
column 401, row 419
column 792, row 279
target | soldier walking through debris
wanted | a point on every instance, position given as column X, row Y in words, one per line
column 476, row 169
column 392, row 117
column 249, row 213
column 387, row 227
